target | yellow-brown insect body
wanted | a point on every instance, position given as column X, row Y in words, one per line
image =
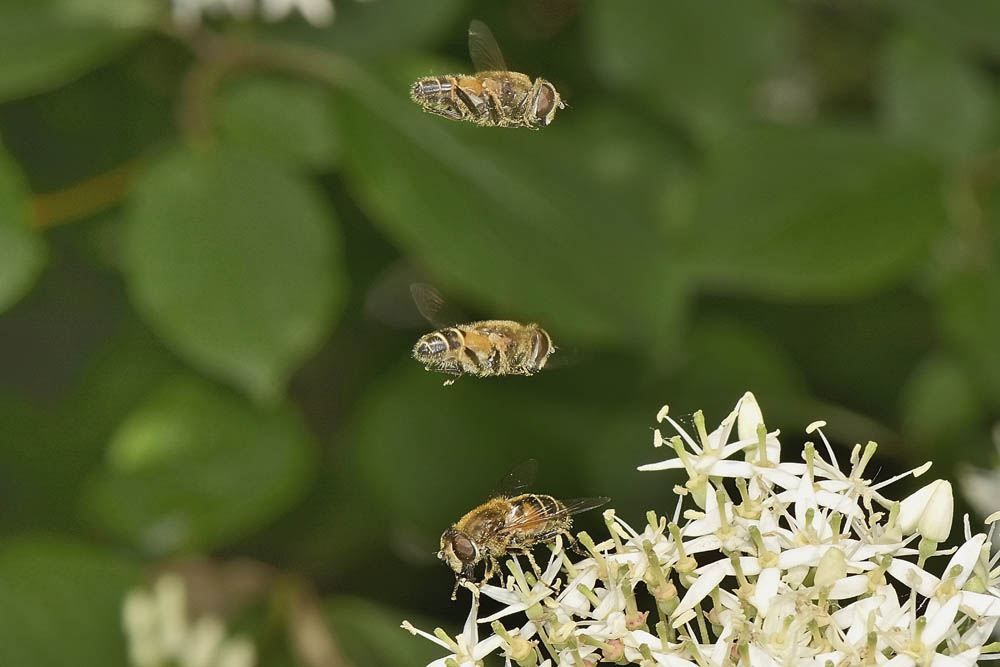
column 486, row 348
column 509, row 523
column 499, row 526
column 496, row 98
column 494, row 95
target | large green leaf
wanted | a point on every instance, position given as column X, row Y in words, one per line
column 235, row 263
column 813, row 213
column 934, row 99
column 535, row 224
column 45, row 43
column 970, row 24
column 60, row 603
column 196, row 466
column 696, row 60
column 368, row 31
column 969, row 310
column 22, row 253
column 280, row 119
column 369, row 634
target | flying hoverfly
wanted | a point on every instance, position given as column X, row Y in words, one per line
column 483, row 349
column 510, row 522
column 494, row 95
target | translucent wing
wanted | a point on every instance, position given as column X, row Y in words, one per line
column 569, row 508
column 434, row 308
column 483, row 49
column 517, row 480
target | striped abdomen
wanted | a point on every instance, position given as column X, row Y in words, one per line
column 534, row 517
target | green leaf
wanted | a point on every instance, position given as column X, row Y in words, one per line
column 196, row 467
column 969, row 24
column 813, row 214
column 235, row 264
column 369, row 634
column 366, row 31
column 934, row 99
column 538, row 225
column 46, row 43
column 698, row 60
column 280, row 119
column 571, row 411
column 22, row 252
column 60, row 603
column 969, row 310
column 939, row 406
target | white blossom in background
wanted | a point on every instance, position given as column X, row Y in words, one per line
column 160, row 634
column 188, row 13
column 762, row 562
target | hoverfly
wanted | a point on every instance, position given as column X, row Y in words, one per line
column 482, row 349
column 510, row 522
column 492, row 96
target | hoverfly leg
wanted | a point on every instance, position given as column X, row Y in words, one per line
column 574, row 544
column 491, row 567
column 454, row 591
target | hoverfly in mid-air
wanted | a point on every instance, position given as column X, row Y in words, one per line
column 492, row 96
column 510, row 522
column 482, row 349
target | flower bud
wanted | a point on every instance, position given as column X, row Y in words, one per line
column 749, row 418
column 928, row 511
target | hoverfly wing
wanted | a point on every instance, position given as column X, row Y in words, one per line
column 434, row 307
column 569, row 508
column 578, row 505
column 483, row 49
column 517, row 480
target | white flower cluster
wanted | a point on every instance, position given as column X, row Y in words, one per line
column 159, row 632
column 772, row 564
column 188, row 13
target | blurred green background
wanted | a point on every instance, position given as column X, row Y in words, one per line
column 207, row 237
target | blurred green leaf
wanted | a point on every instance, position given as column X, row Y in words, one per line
column 568, row 410
column 235, row 264
column 521, row 220
column 373, row 31
column 22, row 253
column 697, row 60
column 969, row 310
column 60, row 603
column 369, row 634
column 940, row 406
column 280, row 119
column 45, row 43
column 934, row 99
column 813, row 213
column 196, row 467
column 970, row 24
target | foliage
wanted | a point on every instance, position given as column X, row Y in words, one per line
column 206, row 239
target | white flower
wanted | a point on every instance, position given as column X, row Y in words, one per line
column 466, row 649
column 159, row 632
column 807, row 565
column 188, row 13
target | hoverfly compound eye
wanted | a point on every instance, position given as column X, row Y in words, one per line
column 545, row 103
column 464, row 548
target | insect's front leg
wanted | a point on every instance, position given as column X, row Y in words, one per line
column 491, row 570
column 534, row 565
column 574, row 544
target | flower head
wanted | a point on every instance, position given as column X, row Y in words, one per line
column 807, row 564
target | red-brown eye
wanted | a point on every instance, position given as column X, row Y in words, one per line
column 544, row 102
column 464, row 548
